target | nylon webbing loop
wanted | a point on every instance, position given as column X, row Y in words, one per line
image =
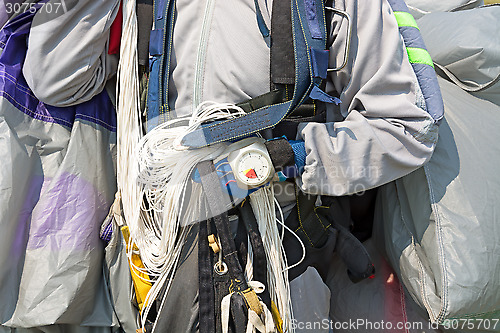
column 205, row 282
column 213, row 194
column 259, row 255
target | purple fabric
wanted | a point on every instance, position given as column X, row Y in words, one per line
column 6, row 10
column 13, row 87
column 67, row 215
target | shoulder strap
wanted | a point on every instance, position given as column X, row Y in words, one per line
column 311, row 63
column 160, row 51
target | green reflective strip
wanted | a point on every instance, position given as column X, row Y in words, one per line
column 419, row 56
column 405, row 19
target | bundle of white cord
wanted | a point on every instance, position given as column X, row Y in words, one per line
column 153, row 173
column 128, row 115
column 264, row 209
column 164, row 178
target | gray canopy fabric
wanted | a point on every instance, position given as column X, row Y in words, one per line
column 465, row 46
column 441, row 223
column 57, row 182
column 419, row 8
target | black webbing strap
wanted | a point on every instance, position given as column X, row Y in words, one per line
column 282, row 50
column 316, row 235
column 244, row 297
column 309, row 226
column 205, row 282
column 213, row 193
column 350, row 249
column 259, row 255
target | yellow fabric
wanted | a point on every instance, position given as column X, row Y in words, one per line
column 277, row 317
column 252, row 301
column 141, row 286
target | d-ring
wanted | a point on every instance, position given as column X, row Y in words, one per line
column 348, row 40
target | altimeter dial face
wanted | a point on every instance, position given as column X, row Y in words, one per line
column 254, row 168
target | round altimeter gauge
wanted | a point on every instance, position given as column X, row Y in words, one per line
column 252, row 166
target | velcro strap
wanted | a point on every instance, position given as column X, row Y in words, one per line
column 281, row 153
column 282, row 52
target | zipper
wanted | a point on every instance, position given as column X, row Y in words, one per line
column 201, row 55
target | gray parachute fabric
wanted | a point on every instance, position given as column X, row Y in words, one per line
column 419, row 8
column 362, row 307
column 441, row 224
column 57, row 182
column 465, row 47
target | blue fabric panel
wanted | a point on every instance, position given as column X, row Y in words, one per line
column 264, row 30
column 13, row 87
column 319, row 62
column 160, row 9
column 430, row 89
column 426, row 75
column 156, row 42
column 398, row 6
column 320, row 95
column 412, row 37
column 312, row 19
column 299, row 150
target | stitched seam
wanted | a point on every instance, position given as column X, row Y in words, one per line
column 320, row 221
column 101, row 122
column 30, row 112
column 170, row 41
column 50, row 118
column 300, row 220
column 475, row 314
column 27, row 90
column 439, row 232
column 403, row 306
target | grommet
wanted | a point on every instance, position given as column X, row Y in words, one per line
column 220, row 268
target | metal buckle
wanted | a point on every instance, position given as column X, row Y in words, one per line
column 349, row 32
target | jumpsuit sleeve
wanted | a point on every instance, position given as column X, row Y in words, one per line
column 67, row 61
column 386, row 132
